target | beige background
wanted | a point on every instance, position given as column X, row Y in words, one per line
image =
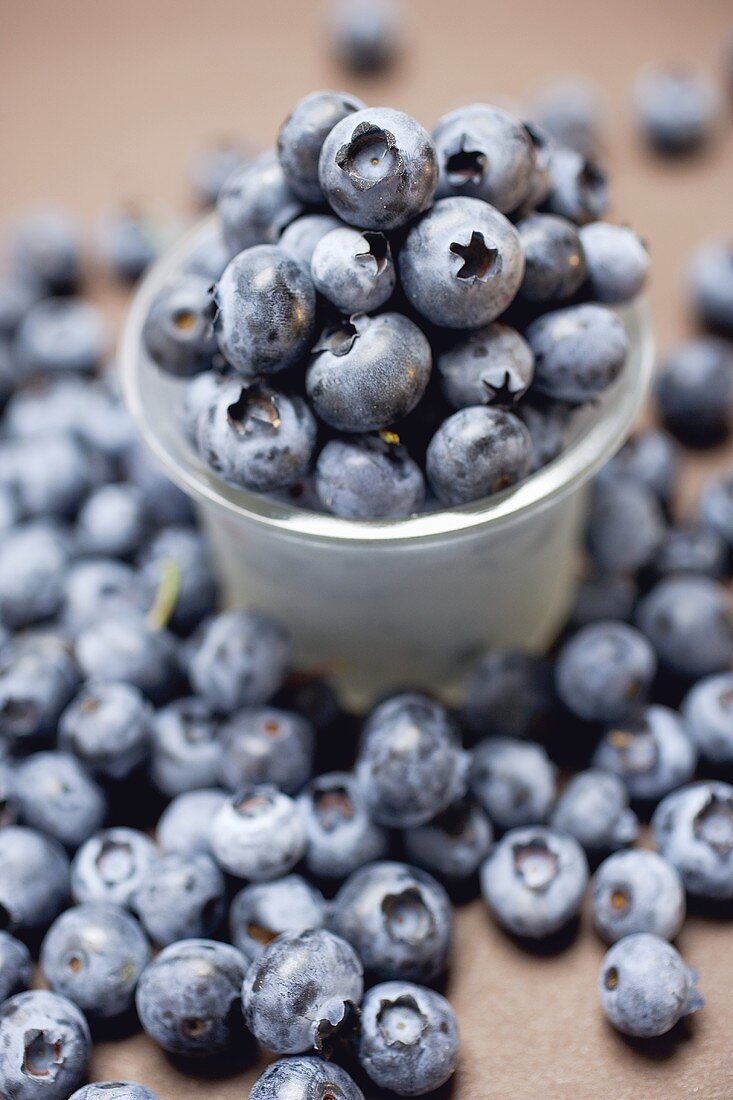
column 102, row 100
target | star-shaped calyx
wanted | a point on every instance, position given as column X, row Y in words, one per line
column 480, row 260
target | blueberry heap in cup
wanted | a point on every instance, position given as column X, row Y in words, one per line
column 398, row 320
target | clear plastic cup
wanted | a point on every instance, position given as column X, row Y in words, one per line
column 385, row 604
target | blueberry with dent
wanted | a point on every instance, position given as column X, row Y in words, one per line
column 652, row 753
column 264, row 910
column 265, row 311
column 693, row 829
column 399, row 920
column 491, row 366
column 341, row 835
column 94, row 955
column 476, row 452
column 258, row 834
column 302, row 992
column 107, row 726
column 238, row 659
column 484, row 153
column 645, row 986
column 708, row 712
column 186, row 750
column 304, row 1079
column 369, row 477
column 256, row 204
column 255, row 438
column 367, row 372
column 378, row 169
column 578, row 187
column 579, row 352
column 354, row 270
column 38, row 677
column 594, row 808
column 301, row 138
column 461, row 264
column 111, row 866
column 534, row 880
column 266, row 745
column 637, row 891
column 178, row 332
column 554, row 258
column 408, row 1042
column 56, row 795
column 454, row 844
column 46, row 1045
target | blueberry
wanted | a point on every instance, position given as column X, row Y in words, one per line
column 715, row 507
column 111, row 866
column 594, row 808
column 509, row 694
column 188, row 998
column 60, row 335
column 185, row 549
column 625, row 525
column 554, row 258
column 568, row 108
column 353, row 270
column 369, row 477
column 399, row 920
column 239, row 658
column 258, row 834
column 462, row 264
column 534, row 880
column 578, row 189
column 212, row 166
column 694, row 390
column 652, row 753
column 185, row 824
column 301, row 138
column 100, row 588
column 491, row 366
column 94, row 955
column 708, row 712
column 653, row 458
column 255, row 204
column 603, row 596
column 378, row 168
column 33, row 560
column 410, row 765
column 675, row 106
column 452, row 845
column 180, row 897
column 604, row 671
column 255, row 438
column 368, row 372
column 711, row 283
column 44, row 250
column 616, row 261
column 186, row 747
column 579, row 352
column 17, row 295
column 408, row 1041
column 547, row 423
column 693, row 829
column 645, row 987
column 178, row 332
column 299, row 239
column 16, row 966
column 484, row 153
column 477, row 452
column 514, row 781
column 37, row 679
column 692, row 548
column 266, row 745
column 87, row 410
column 114, row 1090
column 264, row 910
column 129, row 242
column 45, row 1045
column 302, row 992
column 365, row 34
column 304, row 1079
column 208, row 256
column 126, row 647
column 688, row 621
column 50, row 475
column 112, row 521
column 340, row 834
column 637, row 891
column 56, row 795
column 34, row 879
column 265, row 311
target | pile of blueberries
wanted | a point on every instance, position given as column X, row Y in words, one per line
column 360, row 255
column 197, row 841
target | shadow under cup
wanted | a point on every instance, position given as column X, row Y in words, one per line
column 388, row 604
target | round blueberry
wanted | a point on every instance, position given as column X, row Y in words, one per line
column 554, row 258
column 111, row 866
column 186, row 747
column 616, row 262
column 715, row 508
column 304, row 1079
column 477, row 452
column 694, row 390
column 112, row 521
column 651, row 457
column 56, row 795
column 594, row 808
column 212, row 166
column 604, row 671
column 114, row 1090
column 180, row 897
column 185, row 824
column 513, row 781
column 601, row 596
column 299, row 239
column 255, row 204
column 61, row 335
column 183, row 550
column 365, row 35
column 625, row 526
column 579, row 352
column 637, row 891
column 692, row 548
column 16, row 966
column 33, row 561
column 258, row 834
column 38, row 677
column 509, row 694
column 711, row 282
column 340, row 833
column 708, row 712
column 368, row 477
column 302, row 135
column 107, row 726
column 45, row 1043
column 652, row 753
column 675, row 106
column 491, row 366
column 238, row 658
column 44, row 250
column 98, row 588
column 126, row 647
column 454, row 844
column 693, row 829
column 264, row 910
column 266, row 745
column 645, row 987
column 568, row 108
column 688, row 621
column 34, row 879
column 578, row 188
